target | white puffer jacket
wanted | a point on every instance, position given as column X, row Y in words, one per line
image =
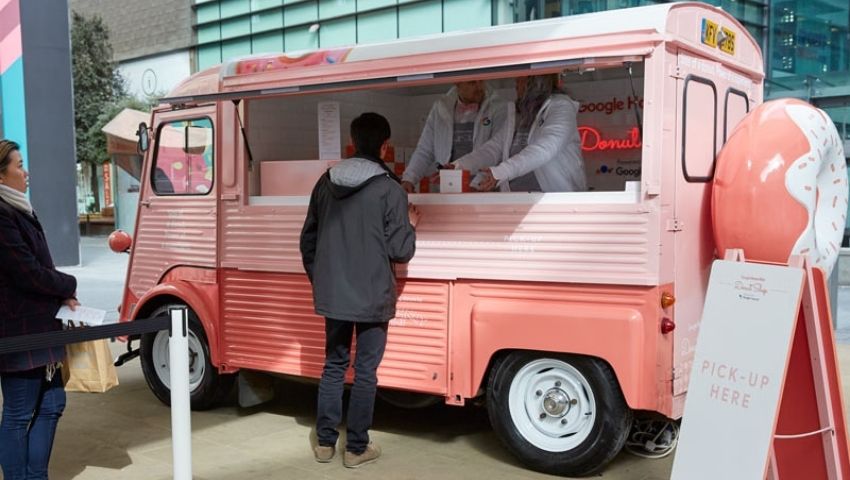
column 553, row 152
column 435, row 143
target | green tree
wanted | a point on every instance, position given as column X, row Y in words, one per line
column 97, row 85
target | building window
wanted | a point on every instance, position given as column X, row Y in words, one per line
column 536, row 9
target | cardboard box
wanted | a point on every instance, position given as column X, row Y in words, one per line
column 454, row 181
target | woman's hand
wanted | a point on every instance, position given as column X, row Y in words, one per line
column 408, row 187
column 488, row 182
column 71, row 303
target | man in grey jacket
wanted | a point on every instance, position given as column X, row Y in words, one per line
column 358, row 224
column 460, row 121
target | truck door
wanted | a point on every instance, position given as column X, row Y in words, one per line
column 177, row 205
column 694, row 245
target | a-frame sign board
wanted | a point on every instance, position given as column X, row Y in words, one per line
column 764, row 399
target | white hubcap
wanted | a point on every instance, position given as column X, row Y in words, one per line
column 197, row 360
column 552, row 405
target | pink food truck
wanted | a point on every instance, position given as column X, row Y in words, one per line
column 570, row 314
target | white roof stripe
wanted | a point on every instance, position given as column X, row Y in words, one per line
column 649, row 18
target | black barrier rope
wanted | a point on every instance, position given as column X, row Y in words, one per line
column 59, row 338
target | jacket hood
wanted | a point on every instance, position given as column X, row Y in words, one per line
column 351, row 175
column 564, row 98
column 448, row 100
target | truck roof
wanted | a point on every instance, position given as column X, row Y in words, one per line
column 615, row 32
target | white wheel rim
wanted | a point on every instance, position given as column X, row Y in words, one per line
column 161, row 361
column 552, row 405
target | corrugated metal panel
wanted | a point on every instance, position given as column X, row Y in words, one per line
column 611, row 244
column 416, row 356
column 172, row 231
column 531, row 242
column 262, row 238
column 268, row 324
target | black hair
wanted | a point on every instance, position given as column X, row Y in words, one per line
column 369, row 131
column 6, row 149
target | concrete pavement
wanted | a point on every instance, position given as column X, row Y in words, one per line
column 125, row 433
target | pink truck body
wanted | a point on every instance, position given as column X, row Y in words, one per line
column 579, row 273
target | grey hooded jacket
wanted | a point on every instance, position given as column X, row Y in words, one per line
column 356, row 226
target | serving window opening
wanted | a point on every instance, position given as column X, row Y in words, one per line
column 295, row 138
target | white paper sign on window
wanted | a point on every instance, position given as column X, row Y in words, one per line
column 330, row 147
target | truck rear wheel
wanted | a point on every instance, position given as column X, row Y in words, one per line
column 559, row 414
column 207, row 387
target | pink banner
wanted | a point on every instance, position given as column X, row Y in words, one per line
column 10, row 33
column 283, row 62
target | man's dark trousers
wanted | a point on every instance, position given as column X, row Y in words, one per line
column 371, row 341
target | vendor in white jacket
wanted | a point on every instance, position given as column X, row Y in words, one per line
column 462, row 120
column 538, row 149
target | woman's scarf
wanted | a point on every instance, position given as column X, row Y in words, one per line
column 16, row 199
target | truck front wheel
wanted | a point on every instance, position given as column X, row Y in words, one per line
column 559, row 414
column 207, row 387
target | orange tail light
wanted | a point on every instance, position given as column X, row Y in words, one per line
column 667, row 300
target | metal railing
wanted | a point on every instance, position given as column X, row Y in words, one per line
column 178, row 346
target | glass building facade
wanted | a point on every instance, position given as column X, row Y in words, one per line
column 808, row 56
column 806, row 43
column 229, row 28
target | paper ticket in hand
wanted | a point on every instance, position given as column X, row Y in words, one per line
column 82, row 315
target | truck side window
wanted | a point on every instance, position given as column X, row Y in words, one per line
column 183, row 164
column 737, row 106
column 699, row 129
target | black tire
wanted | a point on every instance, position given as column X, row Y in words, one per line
column 599, row 440
column 211, row 389
column 407, row 400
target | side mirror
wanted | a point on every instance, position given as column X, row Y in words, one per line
column 142, row 133
column 120, row 241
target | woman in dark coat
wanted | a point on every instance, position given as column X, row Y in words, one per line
column 31, row 292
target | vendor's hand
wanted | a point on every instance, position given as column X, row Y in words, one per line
column 71, row 303
column 408, row 187
column 414, row 214
column 487, row 182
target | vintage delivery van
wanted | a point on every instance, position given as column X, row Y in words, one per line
column 570, row 313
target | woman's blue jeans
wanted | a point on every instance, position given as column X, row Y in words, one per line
column 31, row 410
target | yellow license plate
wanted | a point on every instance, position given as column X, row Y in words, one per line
column 727, row 41
column 709, row 32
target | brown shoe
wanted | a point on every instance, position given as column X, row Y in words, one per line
column 324, row 454
column 352, row 460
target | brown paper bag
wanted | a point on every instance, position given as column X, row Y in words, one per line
column 88, row 367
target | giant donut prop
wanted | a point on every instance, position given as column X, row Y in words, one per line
column 780, row 186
